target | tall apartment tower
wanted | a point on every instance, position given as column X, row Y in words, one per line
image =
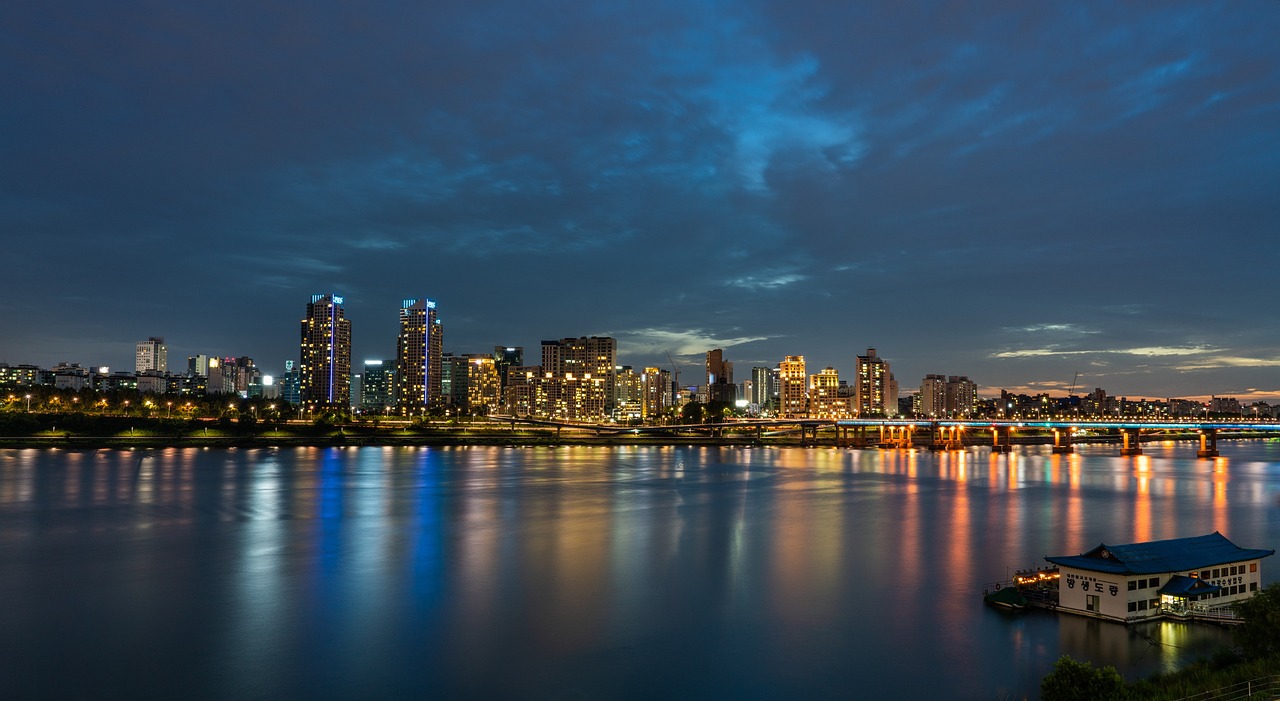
column 871, row 385
column 419, row 357
column 151, row 355
column 760, row 382
column 933, row 396
column 720, row 387
column 595, row 355
column 793, row 390
column 325, row 367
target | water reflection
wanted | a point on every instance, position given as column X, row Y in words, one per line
column 580, row 571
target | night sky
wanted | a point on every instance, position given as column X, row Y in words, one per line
column 1016, row 195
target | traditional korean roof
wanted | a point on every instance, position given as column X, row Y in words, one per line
column 1178, row 585
column 1160, row 556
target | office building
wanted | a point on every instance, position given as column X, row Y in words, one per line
column 151, row 354
column 325, row 364
column 379, row 387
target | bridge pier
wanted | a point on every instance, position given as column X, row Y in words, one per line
column 899, row 437
column 1062, row 441
column 1001, row 439
column 1208, row 443
column 1132, row 441
column 946, row 438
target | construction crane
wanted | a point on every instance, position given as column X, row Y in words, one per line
column 675, row 368
column 1072, row 391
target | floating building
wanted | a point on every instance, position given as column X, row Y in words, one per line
column 1179, row 577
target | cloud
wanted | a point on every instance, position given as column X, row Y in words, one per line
column 1150, row 351
column 766, row 281
column 689, row 342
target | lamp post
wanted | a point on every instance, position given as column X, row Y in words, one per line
column 28, row 404
column 168, row 409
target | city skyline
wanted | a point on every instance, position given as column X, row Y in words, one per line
column 1017, row 195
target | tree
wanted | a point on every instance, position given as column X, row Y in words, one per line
column 1080, row 681
column 1259, row 635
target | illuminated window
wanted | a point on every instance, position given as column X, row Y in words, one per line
column 1253, row 567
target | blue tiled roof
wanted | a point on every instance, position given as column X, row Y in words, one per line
column 1157, row 556
column 1187, row 586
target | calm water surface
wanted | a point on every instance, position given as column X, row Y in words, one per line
column 582, row 572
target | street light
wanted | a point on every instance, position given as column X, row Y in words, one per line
column 28, row 404
column 168, row 409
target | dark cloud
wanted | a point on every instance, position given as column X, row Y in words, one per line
column 1014, row 194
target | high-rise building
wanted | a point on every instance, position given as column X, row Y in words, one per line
column 793, row 396
column 507, row 357
column 628, row 394
column 962, row 396
column 379, row 387
column 870, row 385
column 152, row 354
column 198, row 365
column 291, row 384
column 655, row 388
column 933, row 396
column 579, row 375
column 720, row 387
column 325, row 363
column 825, row 401
column 419, row 357
column 761, row 379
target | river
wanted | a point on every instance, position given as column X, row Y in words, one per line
column 584, row 572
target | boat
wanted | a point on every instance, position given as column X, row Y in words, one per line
column 1008, row 598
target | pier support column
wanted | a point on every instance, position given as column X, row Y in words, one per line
column 1208, row 443
column 759, row 433
column 1132, row 441
column 1001, row 439
column 1062, row 441
column 946, row 438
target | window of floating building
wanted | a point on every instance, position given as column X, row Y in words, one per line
column 1155, row 603
column 1133, row 605
column 1204, row 574
column 1253, row 586
column 1133, row 586
column 1253, row 567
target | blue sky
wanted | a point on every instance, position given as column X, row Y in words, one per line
column 1016, row 192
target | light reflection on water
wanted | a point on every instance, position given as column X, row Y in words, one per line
column 627, row 572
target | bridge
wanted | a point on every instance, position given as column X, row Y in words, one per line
column 942, row 434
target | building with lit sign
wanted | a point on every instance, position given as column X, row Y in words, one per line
column 419, row 357
column 324, row 369
column 1159, row 578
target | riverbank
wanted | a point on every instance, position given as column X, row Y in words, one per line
column 133, row 439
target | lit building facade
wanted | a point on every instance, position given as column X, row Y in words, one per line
column 761, row 379
column 379, row 387
column 324, row 367
column 933, row 396
column 720, row 387
column 655, row 388
column 825, row 400
column 793, row 395
column 628, row 390
column 1174, row 577
column 419, row 357
column 870, row 385
column 151, row 354
column 578, row 378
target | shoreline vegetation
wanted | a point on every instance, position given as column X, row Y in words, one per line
column 69, row 430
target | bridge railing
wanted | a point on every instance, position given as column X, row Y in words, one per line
column 1260, row 688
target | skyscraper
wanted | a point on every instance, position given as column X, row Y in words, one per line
column 152, row 354
column 793, row 394
column 325, row 363
column 419, row 353
column 720, row 387
column 871, row 385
